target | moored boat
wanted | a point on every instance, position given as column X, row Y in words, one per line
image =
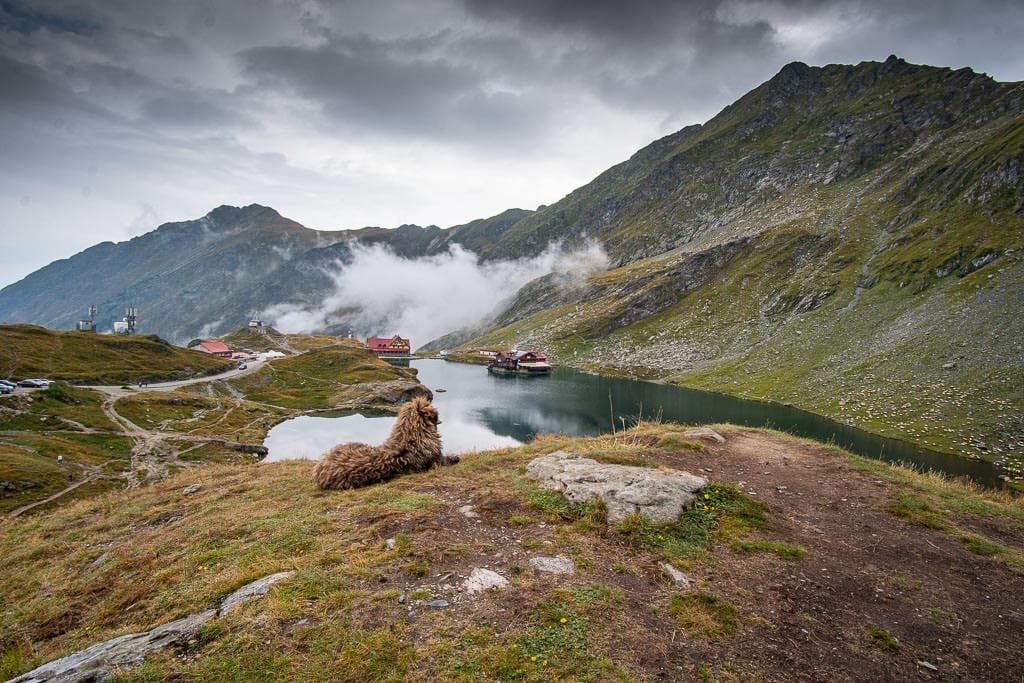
column 520, row 363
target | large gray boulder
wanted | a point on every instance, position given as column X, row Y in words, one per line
column 659, row 495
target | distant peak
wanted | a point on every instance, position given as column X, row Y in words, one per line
column 793, row 79
column 794, row 69
column 226, row 213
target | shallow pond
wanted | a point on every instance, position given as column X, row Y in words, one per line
column 480, row 411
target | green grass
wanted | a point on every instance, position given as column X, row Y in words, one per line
column 881, row 638
column 703, row 614
column 61, row 404
column 786, row 551
column 28, row 477
column 722, row 513
column 30, row 351
column 321, row 378
column 187, row 413
column 338, row 618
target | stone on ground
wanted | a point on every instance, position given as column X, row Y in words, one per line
column 256, row 589
column 660, row 496
column 481, row 580
column 553, row 565
column 678, row 578
column 704, row 433
column 102, row 661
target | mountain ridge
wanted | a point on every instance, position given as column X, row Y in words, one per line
column 834, row 226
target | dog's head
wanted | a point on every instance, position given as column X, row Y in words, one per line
column 425, row 411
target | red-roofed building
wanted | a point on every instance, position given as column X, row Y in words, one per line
column 215, row 348
column 395, row 346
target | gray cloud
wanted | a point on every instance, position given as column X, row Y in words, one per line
column 394, row 87
column 117, row 113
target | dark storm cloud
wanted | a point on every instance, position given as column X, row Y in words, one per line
column 24, row 18
column 395, row 87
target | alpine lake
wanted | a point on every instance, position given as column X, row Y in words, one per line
column 480, row 411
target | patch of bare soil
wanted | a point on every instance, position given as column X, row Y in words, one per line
column 862, row 568
column 873, row 598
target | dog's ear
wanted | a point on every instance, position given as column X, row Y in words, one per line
column 429, row 412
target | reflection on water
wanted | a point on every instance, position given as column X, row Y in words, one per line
column 480, row 411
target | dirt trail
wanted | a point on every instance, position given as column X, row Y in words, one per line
column 25, row 508
column 862, row 567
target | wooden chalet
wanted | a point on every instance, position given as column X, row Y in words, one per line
column 395, row 346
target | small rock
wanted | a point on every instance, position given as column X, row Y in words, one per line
column 927, row 665
column 401, row 599
column 481, row 580
column 678, row 578
column 949, row 366
column 467, row 511
column 250, row 591
column 389, row 544
column 553, row 565
column 440, row 603
column 704, row 433
column 190, row 489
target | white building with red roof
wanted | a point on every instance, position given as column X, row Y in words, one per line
column 215, row 348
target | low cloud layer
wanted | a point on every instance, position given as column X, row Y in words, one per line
column 381, row 294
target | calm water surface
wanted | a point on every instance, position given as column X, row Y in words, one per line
column 480, row 411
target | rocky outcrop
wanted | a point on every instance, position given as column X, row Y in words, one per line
column 658, row 495
column 376, row 393
column 102, row 661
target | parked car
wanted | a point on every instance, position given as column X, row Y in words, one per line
column 243, row 366
column 4, row 389
column 5, row 383
column 34, row 383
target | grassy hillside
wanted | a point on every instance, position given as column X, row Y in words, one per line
column 325, row 377
column 820, row 317
column 273, row 340
column 916, row 560
column 127, row 437
column 30, row 351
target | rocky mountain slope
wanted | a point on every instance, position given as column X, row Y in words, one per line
column 204, row 277
column 847, row 238
column 844, row 238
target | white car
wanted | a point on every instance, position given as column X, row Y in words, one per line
column 34, row 383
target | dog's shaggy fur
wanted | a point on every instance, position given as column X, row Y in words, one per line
column 413, row 446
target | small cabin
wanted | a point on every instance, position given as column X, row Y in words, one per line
column 395, row 346
column 214, row 348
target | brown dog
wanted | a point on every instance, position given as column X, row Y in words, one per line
column 413, row 446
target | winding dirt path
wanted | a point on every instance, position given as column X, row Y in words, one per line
column 25, row 508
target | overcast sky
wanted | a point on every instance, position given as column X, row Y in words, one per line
column 119, row 115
